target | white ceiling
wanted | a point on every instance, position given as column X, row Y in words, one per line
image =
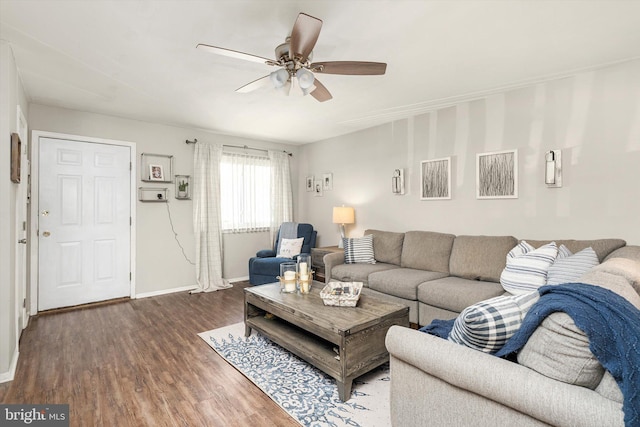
column 137, row 59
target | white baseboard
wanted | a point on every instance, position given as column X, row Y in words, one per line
column 11, row 373
column 238, row 279
column 166, row 291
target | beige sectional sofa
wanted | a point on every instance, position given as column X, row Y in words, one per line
column 437, row 275
column 435, row 382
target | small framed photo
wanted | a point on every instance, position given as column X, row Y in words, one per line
column 309, row 181
column 327, row 181
column 497, row 175
column 317, row 188
column 156, row 173
column 435, row 178
column 16, row 153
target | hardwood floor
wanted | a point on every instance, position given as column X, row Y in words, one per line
column 141, row 363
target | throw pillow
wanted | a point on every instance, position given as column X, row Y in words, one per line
column 290, row 247
column 558, row 349
column 486, row 326
column 358, row 250
column 569, row 267
column 527, row 267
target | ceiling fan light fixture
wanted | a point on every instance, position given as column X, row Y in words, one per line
column 305, row 78
column 279, row 78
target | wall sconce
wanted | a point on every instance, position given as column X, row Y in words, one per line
column 343, row 215
column 553, row 168
column 397, row 182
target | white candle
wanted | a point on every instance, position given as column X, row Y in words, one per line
column 304, row 287
column 303, row 268
column 304, row 277
column 290, row 286
column 289, row 275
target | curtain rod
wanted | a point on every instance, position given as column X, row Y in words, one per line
column 246, row 147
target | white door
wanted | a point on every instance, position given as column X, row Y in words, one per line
column 84, row 222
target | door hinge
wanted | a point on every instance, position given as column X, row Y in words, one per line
column 130, row 221
column 24, row 303
column 129, row 276
column 130, row 166
column 24, row 225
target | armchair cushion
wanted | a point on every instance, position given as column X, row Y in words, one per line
column 266, row 253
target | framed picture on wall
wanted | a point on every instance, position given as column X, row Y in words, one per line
column 497, row 175
column 327, row 181
column 435, row 179
column 156, row 173
column 317, row 188
column 309, row 183
column 16, row 148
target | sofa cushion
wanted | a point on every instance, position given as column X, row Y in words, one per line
column 401, row 282
column 527, row 268
column 486, row 326
column 568, row 267
column 480, row 257
column 620, row 275
column 358, row 250
column 609, row 388
column 358, row 272
column 455, row 293
column 602, row 247
column 558, row 349
column 427, row 250
column 387, row 246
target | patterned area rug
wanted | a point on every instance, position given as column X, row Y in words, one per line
column 306, row 393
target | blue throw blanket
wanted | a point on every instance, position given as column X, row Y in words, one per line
column 611, row 323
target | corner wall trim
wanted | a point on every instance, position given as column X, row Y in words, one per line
column 11, row 373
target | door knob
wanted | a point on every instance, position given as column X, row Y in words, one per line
column 46, row 234
column 23, row 241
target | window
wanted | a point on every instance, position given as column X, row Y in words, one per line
column 245, row 192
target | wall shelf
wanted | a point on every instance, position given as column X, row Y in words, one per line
column 146, row 194
column 156, row 167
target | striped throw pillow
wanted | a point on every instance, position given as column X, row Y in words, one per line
column 527, row 267
column 487, row 325
column 569, row 267
column 358, row 250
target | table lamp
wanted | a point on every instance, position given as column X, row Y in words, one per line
column 343, row 215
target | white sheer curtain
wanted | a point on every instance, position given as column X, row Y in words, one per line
column 206, row 217
column 245, row 182
column 281, row 196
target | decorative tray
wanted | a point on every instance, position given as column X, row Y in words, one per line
column 342, row 294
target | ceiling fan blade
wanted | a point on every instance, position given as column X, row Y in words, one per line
column 256, row 84
column 320, row 93
column 349, row 68
column 235, row 54
column 304, row 35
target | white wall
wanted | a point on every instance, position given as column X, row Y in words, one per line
column 160, row 263
column 593, row 117
column 12, row 95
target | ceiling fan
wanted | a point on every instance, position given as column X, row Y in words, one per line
column 294, row 56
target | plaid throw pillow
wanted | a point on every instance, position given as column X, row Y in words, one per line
column 358, row 250
column 487, row 325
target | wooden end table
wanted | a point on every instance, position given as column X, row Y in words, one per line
column 343, row 342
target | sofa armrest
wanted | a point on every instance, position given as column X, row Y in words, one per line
column 331, row 260
column 266, row 253
column 499, row 380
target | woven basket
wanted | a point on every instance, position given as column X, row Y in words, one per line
column 342, row 294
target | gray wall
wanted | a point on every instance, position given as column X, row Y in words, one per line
column 12, row 95
column 594, row 117
column 160, row 263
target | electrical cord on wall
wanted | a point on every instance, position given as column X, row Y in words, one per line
column 175, row 235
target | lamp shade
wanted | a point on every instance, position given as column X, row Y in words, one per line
column 343, row 215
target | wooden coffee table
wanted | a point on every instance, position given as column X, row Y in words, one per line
column 344, row 342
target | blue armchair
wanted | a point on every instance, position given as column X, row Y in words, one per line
column 265, row 266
